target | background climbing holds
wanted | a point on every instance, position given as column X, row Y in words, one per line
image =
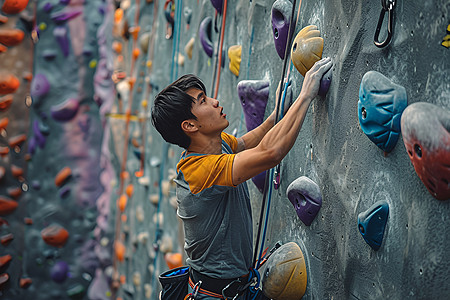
column 325, row 83
column 307, row 48
column 66, row 110
column 284, row 274
column 372, row 222
column 14, row 6
column 217, row 5
column 204, row 32
column 253, row 95
column 426, row 135
column 59, row 271
column 281, row 10
column 380, row 106
column 8, row 83
column 55, row 235
column 306, row 197
column 173, row 260
column 39, row 87
column 234, row 54
column 11, row 37
column 189, row 47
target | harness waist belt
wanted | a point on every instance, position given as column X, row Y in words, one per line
column 215, row 285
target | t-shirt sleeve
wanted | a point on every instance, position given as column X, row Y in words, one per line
column 230, row 140
column 204, row 171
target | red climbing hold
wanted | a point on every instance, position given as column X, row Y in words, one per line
column 6, row 239
column 5, row 102
column 4, row 261
column 55, row 235
column 4, row 278
column 8, row 83
column 17, row 140
column 14, row 6
column 62, row 176
column 7, row 206
column 11, row 37
column 25, row 282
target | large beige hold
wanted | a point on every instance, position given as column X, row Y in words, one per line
column 306, row 49
column 284, row 273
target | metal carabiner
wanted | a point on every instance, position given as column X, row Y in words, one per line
column 387, row 6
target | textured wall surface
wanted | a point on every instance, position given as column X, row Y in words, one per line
column 106, row 60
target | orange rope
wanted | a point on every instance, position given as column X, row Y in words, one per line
column 222, row 31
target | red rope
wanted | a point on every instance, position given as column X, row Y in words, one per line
column 222, row 31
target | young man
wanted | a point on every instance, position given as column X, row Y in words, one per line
column 213, row 199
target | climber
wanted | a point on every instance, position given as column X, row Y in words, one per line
column 213, row 199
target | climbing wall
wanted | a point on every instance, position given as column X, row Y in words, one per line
column 87, row 203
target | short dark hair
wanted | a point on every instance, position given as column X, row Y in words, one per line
column 172, row 106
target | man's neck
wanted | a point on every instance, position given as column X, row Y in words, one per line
column 206, row 145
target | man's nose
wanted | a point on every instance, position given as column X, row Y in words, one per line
column 216, row 103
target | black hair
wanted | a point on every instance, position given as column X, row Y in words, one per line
column 172, row 106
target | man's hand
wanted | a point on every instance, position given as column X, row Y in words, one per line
column 311, row 83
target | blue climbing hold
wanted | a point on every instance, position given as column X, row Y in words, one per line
column 380, row 107
column 306, row 197
column 372, row 223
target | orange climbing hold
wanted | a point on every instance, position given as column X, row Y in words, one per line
column 6, row 239
column 129, row 190
column 7, row 206
column 55, row 235
column 119, row 249
column 123, row 202
column 3, row 19
column 2, row 172
column 62, row 176
column 16, row 171
column 4, row 278
column 28, row 76
column 118, row 15
column 134, row 31
column 3, row 48
column 136, row 53
column 14, row 192
column 4, row 151
column 17, row 140
column 14, row 6
column 11, row 37
column 117, row 47
column 5, row 102
column 28, row 221
column 4, row 261
column 123, row 217
column 173, row 260
column 25, row 282
column 3, row 123
column 8, row 83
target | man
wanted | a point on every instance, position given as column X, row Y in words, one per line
column 213, row 199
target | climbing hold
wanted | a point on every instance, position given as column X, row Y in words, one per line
column 134, row 31
column 4, row 122
column 284, row 274
column 49, row 54
column 372, row 222
column 253, row 95
column 119, row 249
column 118, row 15
column 14, row 6
column 59, row 272
column 5, row 102
column 14, row 192
column 66, row 110
column 64, row 192
column 3, row 19
column 8, row 83
column 136, row 53
column 4, row 280
column 6, row 239
column 11, row 37
column 39, row 86
column 180, row 59
column 446, row 39
column 17, row 140
column 325, row 83
column 123, row 199
column 143, row 42
column 234, row 54
column 380, row 106
column 25, row 282
column 306, row 49
column 38, row 135
column 55, row 235
column 63, row 176
column 28, row 221
column 173, row 260
column 306, row 197
column 204, row 32
column 129, row 190
column 166, row 244
column 16, row 171
column 3, row 49
column 62, row 16
column 426, row 135
column 187, row 15
column 217, row 4
column 77, row 292
column 137, row 279
column 117, row 47
column 4, row 261
column 60, row 34
column 281, row 10
column 3, row 152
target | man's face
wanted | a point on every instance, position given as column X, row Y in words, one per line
column 210, row 118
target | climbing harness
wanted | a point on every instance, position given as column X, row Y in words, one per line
column 387, row 7
column 267, row 194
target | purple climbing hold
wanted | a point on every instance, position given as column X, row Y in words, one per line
column 253, row 95
column 281, row 10
column 63, row 16
column 39, row 86
column 60, row 34
column 380, row 107
column 306, row 197
column 217, row 5
column 64, row 192
column 64, row 2
column 32, row 145
column 35, row 184
column 49, row 54
column 47, row 7
column 204, row 32
column 59, row 271
column 66, row 110
column 38, row 136
column 325, row 83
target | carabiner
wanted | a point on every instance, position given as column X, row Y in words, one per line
column 387, row 6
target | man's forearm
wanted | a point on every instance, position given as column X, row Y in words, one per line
column 252, row 138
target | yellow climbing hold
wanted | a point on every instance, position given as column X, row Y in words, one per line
column 306, row 49
column 149, row 64
column 446, row 39
column 42, row 26
column 93, row 63
column 144, row 103
column 234, row 53
column 188, row 48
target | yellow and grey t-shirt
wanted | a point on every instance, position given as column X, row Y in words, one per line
column 216, row 215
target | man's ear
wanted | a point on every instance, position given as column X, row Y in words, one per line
column 189, row 126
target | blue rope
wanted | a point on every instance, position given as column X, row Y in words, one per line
column 179, row 7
